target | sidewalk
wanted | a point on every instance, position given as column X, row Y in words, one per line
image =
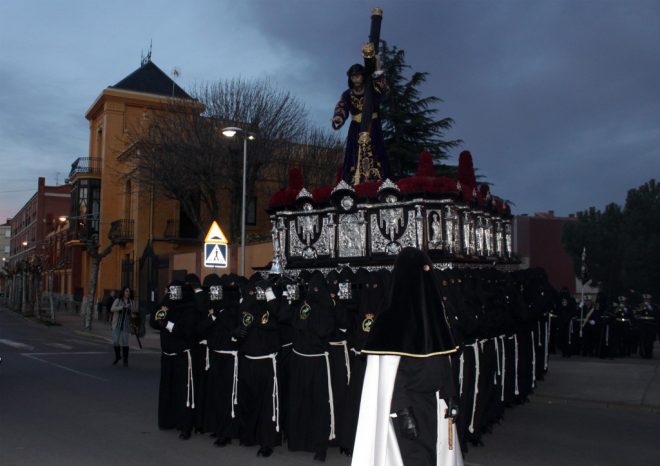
column 102, row 330
column 629, row 382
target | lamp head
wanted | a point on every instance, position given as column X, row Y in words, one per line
column 231, row 131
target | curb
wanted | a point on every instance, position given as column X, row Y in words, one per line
column 594, row 403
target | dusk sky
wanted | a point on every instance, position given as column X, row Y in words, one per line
column 558, row 101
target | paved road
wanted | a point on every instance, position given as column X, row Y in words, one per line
column 61, row 402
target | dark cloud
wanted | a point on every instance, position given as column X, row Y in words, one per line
column 558, row 101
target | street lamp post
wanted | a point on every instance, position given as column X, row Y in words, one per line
column 230, row 132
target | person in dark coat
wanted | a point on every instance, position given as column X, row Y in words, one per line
column 200, row 351
column 409, row 386
column 340, row 360
column 568, row 314
column 371, row 299
column 176, row 319
column 258, row 389
column 311, row 420
column 221, row 364
column 647, row 318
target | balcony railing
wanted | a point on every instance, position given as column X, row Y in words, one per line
column 84, row 227
column 121, row 230
column 85, row 166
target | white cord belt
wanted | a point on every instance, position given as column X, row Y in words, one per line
column 533, row 361
column 547, row 342
column 356, row 352
column 276, row 393
column 207, row 364
column 190, row 390
column 190, row 387
column 330, row 398
column 475, row 348
column 497, row 354
column 547, row 339
column 234, row 385
column 346, row 359
column 503, row 365
column 570, row 333
column 515, row 347
column 460, row 375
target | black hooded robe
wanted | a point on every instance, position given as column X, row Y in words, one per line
column 311, row 407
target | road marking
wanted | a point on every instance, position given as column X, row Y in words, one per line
column 32, row 356
column 60, row 346
column 72, row 353
column 16, row 344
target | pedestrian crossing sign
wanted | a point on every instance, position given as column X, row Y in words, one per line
column 215, row 248
column 215, row 255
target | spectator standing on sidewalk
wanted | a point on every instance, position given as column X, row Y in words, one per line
column 106, row 304
column 122, row 310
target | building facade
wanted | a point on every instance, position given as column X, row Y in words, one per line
column 537, row 243
column 5, row 250
column 152, row 238
column 30, row 227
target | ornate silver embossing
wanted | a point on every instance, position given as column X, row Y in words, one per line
column 468, row 233
column 391, row 220
column 215, row 292
column 499, row 238
column 309, row 253
column 342, row 186
column 281, row 229
column 304, row 194
column 295, row 245
column 488, row 236
column 388, row 184
column 351, row 236
column 322, row 245
column 434, row 223
column 332, row 234
column 345, row 291
column 277, row 249
column 507, row 239
column 393, row 248
column 479, row 236
column 378, row 241
column 308, row 226
column 347, row 202
column 409, row 237
column 419, row 223
column 452, row 243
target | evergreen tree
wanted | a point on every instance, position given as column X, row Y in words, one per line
column 623, row 245
column 409, row 120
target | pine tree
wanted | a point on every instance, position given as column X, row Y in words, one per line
column 409, row 120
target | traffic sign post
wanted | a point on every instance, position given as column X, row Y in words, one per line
column 215, row 248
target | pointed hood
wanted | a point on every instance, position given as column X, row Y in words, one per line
column 414, row 323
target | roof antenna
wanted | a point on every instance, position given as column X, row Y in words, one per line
column 176, row 72
column 146, row 59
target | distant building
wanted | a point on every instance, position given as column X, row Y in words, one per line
column 5, row 249
column 29, row 229
column 537, row 243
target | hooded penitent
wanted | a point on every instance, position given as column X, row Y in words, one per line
column 414, row 323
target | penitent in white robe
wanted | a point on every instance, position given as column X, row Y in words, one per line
column 375, row 440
